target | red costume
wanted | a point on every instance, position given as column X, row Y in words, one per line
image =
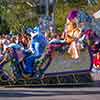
column 96, row 60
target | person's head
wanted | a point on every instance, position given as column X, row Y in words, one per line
column 98, row 55
column 9, row 50
column 71, row 20
column 72, row 15
column 33, row 32
column 29, row 31
column 82, row 19
column 13, row 40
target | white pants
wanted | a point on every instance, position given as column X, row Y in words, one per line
column 73, row 51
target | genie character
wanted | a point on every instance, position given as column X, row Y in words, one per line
column 37, row 47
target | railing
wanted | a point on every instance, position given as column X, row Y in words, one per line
column 82, row 79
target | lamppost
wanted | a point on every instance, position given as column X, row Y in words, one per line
column 47, row 7
column 52, row 7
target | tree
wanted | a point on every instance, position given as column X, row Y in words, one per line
column 64, row 6
column 18, row 15
column 4, row 27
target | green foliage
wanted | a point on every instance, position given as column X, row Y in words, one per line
column 4, row 28
column 3, row 23
column 63, row 8
column 18, row 16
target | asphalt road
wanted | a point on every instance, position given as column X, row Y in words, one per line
column 49, row 93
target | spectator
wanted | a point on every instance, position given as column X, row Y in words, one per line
column 96, row 63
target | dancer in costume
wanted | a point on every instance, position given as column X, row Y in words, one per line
column 37, row 47
column 72, row 35
column 77, row 25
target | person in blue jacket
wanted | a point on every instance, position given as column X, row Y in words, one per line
column 37, row 47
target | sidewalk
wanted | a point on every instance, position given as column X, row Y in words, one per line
column 50, row 93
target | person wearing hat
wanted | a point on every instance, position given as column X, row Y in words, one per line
column 78, row 22
column 37, row 47
column 72, row 34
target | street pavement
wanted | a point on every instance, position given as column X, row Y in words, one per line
column 50, row 93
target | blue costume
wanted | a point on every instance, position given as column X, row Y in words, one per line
column 38, row 45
